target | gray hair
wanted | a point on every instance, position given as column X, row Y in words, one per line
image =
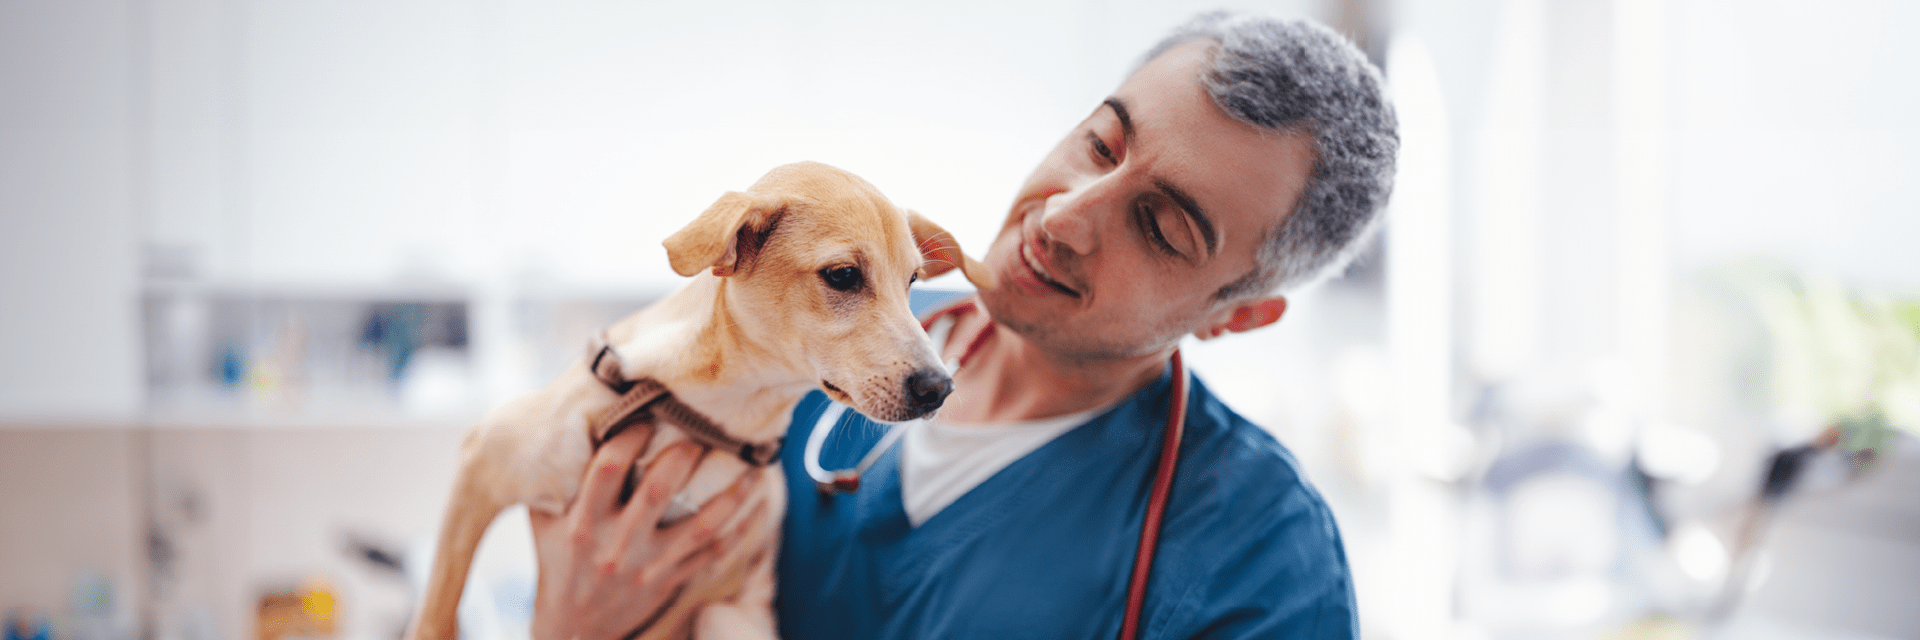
column 1299, row 75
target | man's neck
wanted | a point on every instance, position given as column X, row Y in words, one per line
column 1010, row 379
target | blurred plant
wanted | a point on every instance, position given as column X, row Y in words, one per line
column 1838, row 373
column 1839, row 361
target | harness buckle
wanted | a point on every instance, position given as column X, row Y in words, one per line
column 760, row 455
column 610, row 374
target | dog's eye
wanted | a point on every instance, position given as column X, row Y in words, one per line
column 912, row 278
column 841, row 278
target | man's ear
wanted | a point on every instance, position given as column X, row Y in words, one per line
column 942, row 253
column 729, row 229
column 1246, row 316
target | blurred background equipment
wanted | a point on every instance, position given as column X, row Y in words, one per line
column 307, row 611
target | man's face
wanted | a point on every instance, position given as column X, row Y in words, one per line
column 1117, row 243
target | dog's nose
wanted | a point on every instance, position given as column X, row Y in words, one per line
column 928, row 388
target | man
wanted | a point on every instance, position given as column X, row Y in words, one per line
column 1242, row 158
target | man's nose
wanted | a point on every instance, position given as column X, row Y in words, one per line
column 1072, row 217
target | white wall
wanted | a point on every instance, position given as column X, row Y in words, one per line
column 1798, row 125
column 480, row 141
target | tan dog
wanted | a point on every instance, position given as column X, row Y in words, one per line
column 806, row 288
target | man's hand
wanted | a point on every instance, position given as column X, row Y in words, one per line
column 607, row 568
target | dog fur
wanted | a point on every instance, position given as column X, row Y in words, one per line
column 757, row 327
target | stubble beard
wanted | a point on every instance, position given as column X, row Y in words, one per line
column 1066, row 343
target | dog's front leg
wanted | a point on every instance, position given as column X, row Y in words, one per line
column 469, row 512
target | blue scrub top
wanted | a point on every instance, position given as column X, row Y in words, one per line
column 1043, row 549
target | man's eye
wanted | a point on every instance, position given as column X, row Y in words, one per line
column 841, row 278
column 1100, row 147
column 1150, row 223
column 912, row 278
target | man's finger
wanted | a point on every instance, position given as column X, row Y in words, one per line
column 609, row 468
column 668, row 474
column 701, row 529
column 718, row 547
column 737, row 533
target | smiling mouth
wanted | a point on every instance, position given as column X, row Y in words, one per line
column 1033, row 264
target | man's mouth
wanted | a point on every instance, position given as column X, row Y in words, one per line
column 1033, row 264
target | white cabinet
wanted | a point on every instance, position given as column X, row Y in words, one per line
column 68, row 210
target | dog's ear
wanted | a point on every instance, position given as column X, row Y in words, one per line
column 733, row 227
column 942, row 253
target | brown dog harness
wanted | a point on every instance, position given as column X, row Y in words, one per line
column 646, row 399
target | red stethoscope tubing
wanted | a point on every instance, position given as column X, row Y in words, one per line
column 1157, row 501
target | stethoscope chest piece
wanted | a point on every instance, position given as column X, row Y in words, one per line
column 830, row 482
column 844, row 481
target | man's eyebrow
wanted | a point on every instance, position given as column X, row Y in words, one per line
column 1200, row 218
column 1120, row 111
